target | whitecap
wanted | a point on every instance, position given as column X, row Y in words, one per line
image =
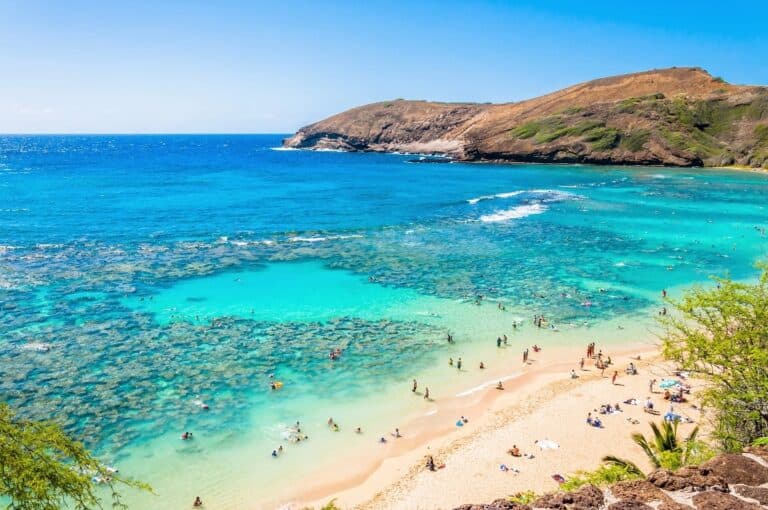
column 515, row 213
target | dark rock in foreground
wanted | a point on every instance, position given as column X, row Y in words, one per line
column 727, row 482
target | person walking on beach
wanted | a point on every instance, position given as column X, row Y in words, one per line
column 650, row 385
column 498, row 342
column 426, row 393
column 504, row 337
column 450, row 362
column 525, row 355
column 615, row 375
column 415, row 385
column 581, row 364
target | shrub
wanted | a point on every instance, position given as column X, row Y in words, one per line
column 523, row 498
column 721, row 334
column 635, row 140
column 527, row 130
column 607, row 474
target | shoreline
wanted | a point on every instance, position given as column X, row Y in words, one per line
column 370, row 479
column 451, row 159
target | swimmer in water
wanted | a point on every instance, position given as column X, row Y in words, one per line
column 482, row 366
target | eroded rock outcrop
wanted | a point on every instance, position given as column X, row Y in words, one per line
column 678, row 116
column 727, row 482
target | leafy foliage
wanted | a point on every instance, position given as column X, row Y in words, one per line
column 523, row 498
column 722, row 334
column 604, row 138
column 41, row 468
column 607, row 474
column 635, row 140
column 331, row 505
column 664, row 449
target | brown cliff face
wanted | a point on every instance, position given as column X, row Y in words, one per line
column 678, row 116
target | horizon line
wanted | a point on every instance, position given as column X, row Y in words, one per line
column 137, row 133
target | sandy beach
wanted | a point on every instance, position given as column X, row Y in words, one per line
column 544, row 402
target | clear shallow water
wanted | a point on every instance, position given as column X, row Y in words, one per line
column 165, row 270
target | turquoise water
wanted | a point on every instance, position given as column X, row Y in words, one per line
column 142, row 275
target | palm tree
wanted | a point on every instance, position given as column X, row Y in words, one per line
column 665, row 440
column 630, row 467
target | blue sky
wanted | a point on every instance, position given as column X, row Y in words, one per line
column 240, row 66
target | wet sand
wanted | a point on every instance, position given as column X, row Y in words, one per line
column 541, row 401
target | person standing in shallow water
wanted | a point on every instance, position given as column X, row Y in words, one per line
column 415, row 385
column 458, row 364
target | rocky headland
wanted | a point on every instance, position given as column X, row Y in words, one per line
column 670, row 117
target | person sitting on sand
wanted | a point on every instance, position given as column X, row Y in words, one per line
column 358, row 430
column 430, row 463
column 274, row 453
column 482, row 366
column 382, row 439
column 198, row 501
column 514, row 451
column 648, row 405
column 574, row 375
column 499, row 386
column 597, row 423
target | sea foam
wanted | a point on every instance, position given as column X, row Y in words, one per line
column 515, row 213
